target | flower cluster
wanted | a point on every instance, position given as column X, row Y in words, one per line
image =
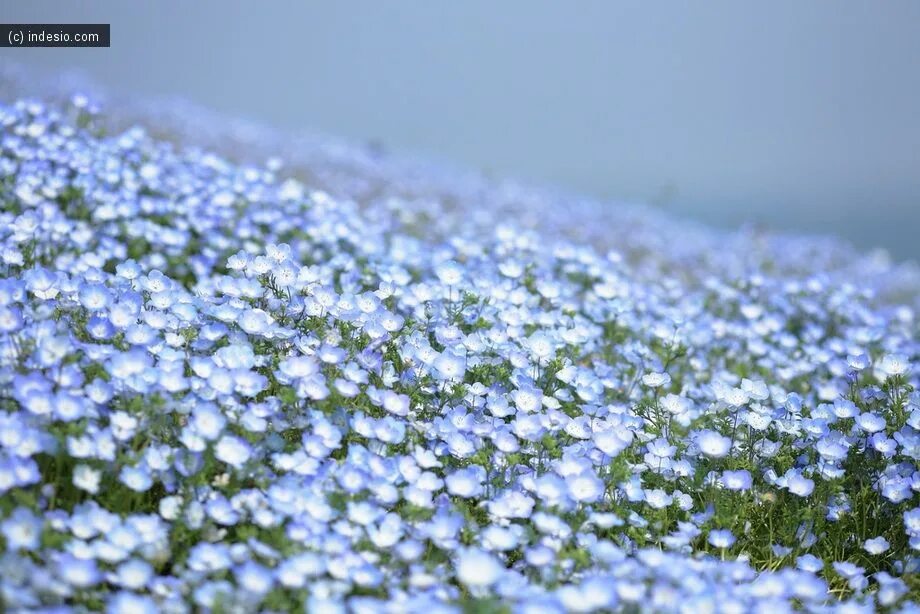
column 223, row 389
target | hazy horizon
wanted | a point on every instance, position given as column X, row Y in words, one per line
column 794, row 117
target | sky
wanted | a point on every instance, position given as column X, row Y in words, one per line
column 792, row 116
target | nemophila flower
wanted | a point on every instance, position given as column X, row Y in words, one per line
column 232, row 450
column 501, row 539
column 298, row 367
column 133, row 574
column 125, row 602
column 100, row 328
column 876, row 545
column 527, row 399
column 392, row 431
column 713, row 444
column 755, row 389
column 246, row 382
column 736, row 480
column 895, row 488
column 94, row 297
column 675, row 404
column 22, row 530
column 892, row 365
column 255, row 321
column 450, row 273
column 38, row 402
column 86, row 478
column 613, row 440
column 123, row 425
column 661, row 448
column 129, row 269
column 478, row 569
column 870, row 422
column 124, row 365
column 845, row 408
column 42, row 283
column 466, row 482
column 721, row 538
column 798, row 484
column 912, row 522
column 541, row 346
column 410, row 395
column 16, row 473
column 498, row 406
column 891, row 589
column 857, row 361
column 221, row 511
column 833, row 447
column 883, row 445
column 586, row 487
column 136, row 478
column 79, row 573
column 658, row 498
column 11, row 319
column 511, row 504
column 736, row 397
column 852, row 573
column 12, row 291
column 397, row 404
column 656, row 380
column 254, row 578
column 450, row 367
column 809, row 562
column 780, row 551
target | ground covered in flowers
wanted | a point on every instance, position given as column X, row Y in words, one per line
column 223, row 389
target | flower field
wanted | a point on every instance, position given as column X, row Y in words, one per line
column 223, row 389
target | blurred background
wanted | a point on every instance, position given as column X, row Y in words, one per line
column 792, row 116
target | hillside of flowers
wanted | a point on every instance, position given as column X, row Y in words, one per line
column 226, row 389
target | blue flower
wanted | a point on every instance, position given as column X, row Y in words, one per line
column 736, row 480
column 415, row 390
column 136, row 478
column 22, row 530
column 721, row 538
column 233, row 451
